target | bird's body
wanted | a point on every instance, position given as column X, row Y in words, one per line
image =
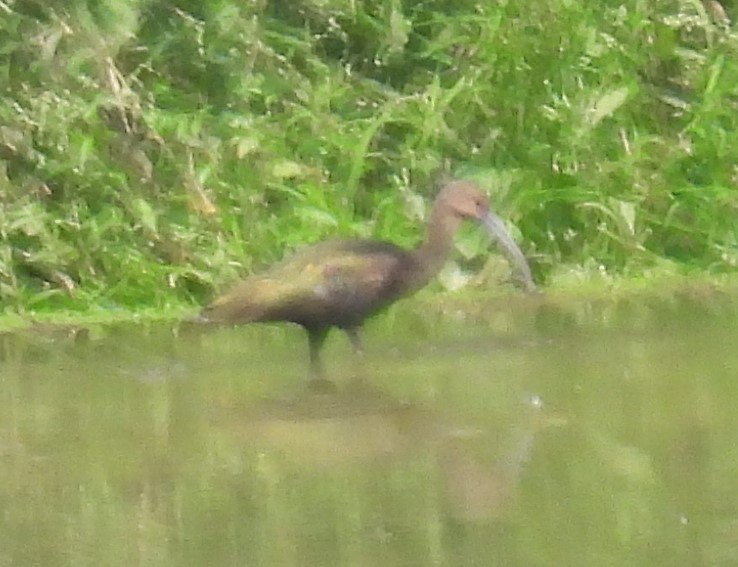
column 339, row 283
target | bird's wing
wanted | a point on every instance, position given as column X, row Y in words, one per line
column 247, row 301
column 343, row 283
column 327, row 283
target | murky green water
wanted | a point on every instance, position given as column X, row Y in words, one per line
column 588, row 434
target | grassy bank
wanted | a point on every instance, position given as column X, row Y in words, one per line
column 152, row 151
column 588, row 302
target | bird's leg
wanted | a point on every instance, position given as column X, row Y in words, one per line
column 355, row 338
column 316, row 338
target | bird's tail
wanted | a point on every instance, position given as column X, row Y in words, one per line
column 230, row 309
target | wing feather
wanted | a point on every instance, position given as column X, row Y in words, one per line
column 332, row 283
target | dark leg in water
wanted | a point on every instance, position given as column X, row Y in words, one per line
column 317, row 383
column 360, row 373
column 316, row 338
column 355, row 338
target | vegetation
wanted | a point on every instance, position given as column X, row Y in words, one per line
column 151, row 151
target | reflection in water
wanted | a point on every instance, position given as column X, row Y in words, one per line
column 358, row 425
column 133, row 446
column 479, row 491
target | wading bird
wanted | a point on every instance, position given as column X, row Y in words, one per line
column 340, row 283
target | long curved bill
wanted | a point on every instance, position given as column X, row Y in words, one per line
column 497, row 230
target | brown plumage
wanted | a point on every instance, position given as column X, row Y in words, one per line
column 342, row 282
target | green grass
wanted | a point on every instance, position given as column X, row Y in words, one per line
column 152, row 151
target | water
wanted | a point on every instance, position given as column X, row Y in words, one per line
column 588, row 433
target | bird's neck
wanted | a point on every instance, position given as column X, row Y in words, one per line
column 432, row 253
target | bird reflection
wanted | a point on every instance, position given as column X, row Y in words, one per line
column 358, row 426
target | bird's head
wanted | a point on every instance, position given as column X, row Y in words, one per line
column 465, row 200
